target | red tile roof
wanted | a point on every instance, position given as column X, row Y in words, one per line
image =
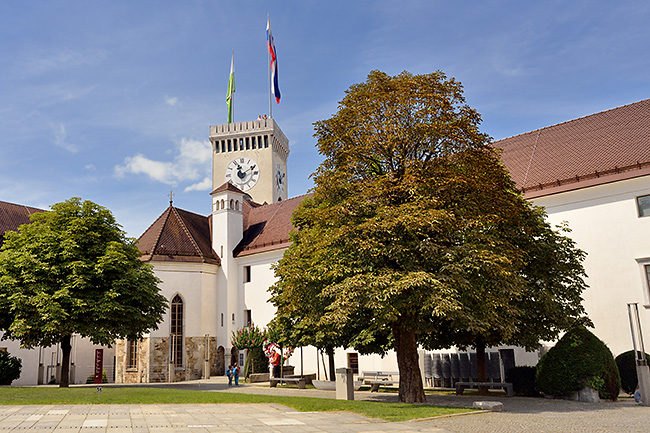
column 601, row 148
column 267, row 227
column 13, row 215
column 178, row 235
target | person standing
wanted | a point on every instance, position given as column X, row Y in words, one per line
column 235, row 372
column 229, row 374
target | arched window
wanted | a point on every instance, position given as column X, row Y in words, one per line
column 176, row 332
column 236, row 204
column 223, row 204
column 232, row 205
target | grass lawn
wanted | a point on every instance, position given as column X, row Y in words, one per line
column 137, row 395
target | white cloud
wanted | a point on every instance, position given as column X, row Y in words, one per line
column 169, row 100
column 192, row 161
column 204, row 185
column 60, row 137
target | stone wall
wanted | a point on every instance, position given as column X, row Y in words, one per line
column 153, row 360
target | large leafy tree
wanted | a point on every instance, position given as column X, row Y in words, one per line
column 72, row 270
column 415, row 234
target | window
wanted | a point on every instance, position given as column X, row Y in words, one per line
column 644, row 266
column 248, row 316
column 248, row 143
column 223, row 146
column 353, row 362
column 221, row 319
column 247, row 274
column 132, row 354
column 643, row 205
column 229, row 146
column 176, row 332
column 216, row 147
column 266, row 141
column 253, row 141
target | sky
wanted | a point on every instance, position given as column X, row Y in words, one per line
column 111, row 101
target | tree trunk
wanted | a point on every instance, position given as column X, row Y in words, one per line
column 411, row 389
column 330, row 358
column 480, row 363
column 66, row 348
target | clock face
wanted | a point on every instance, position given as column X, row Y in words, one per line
column 279, row 179
column 243, row 173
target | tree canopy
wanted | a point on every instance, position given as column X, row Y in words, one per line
column 416, row 235
column 72, row 270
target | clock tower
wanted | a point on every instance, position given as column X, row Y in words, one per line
column 253, row 157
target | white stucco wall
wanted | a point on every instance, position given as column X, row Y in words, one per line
column 197, row 284
column 605, row 223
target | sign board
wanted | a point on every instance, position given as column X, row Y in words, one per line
column 99, row 363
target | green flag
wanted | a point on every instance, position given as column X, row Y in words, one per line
column 231, row 87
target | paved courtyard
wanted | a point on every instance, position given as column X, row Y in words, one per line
column 519, row 415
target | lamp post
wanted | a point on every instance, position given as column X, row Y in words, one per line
column 642, row 370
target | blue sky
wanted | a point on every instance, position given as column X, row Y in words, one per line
column 111, row 101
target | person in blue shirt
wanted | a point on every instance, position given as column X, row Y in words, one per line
column 229, row 374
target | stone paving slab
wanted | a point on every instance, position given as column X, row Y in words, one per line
column 192, row 419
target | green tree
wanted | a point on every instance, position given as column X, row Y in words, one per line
column 72, row 270
column 414, row 233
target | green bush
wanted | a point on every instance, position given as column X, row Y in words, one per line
column 579, row 359
column 10, row 367
column 627, row 369
column 91, row 378
column 523, row 380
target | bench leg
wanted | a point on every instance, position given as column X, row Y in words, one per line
column 274, row 383
column 374, row 387
column 301, row 384
column 460, row 389
column 509, row 391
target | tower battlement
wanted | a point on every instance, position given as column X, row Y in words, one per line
column 248, row 128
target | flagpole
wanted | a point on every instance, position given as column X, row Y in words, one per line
column 268, row 42
column 232, row 66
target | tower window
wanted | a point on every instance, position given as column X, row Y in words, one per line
column 222, row 320
column 253, row 142
column 266, row 141
column 223, row 146
column 247, row 274
column 216, row 147
column 229, row 146
column 176, row 332
column 248, row 143
column 234, row 145
column 248, row 316
column 241, row 144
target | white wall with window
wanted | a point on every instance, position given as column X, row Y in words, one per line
column 608, row 223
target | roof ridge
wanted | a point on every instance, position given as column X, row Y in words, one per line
column 538, row 130
column 187, row 231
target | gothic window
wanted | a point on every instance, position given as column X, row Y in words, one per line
column 132, row 354
column 176, row 331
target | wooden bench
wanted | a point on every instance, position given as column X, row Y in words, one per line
column 375, row 384
column 462, row 386
column 299, row 380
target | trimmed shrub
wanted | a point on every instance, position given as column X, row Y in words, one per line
column 10, row 367
column 627, row 369
column 523, row 380
column 579, row 359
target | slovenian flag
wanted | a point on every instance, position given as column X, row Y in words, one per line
column 231, row 87
column 275, row 89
